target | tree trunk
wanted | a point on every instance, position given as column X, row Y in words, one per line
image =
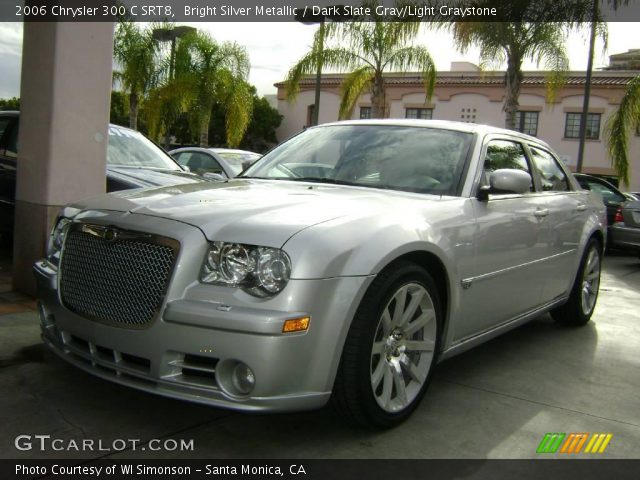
column 204, row 130
column 514, row 78
column 133, row 111
column 378, row 109
column 167, row 138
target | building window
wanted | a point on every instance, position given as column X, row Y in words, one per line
column 365, row 112
column 421, row 113
column 572, row 126
column 527, row 122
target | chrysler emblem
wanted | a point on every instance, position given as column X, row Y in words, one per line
column 110, row 235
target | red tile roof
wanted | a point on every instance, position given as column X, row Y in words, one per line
column 617, row 78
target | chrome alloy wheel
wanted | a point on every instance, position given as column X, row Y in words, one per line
column 403, row 347
column 590, row 281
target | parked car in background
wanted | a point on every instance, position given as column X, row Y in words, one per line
column 226, row 162
column 611, row 196
column 274, row 291
column 625, row 231
column 133, row 161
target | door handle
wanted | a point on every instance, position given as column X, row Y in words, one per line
column 541, row 212
column 582, row 207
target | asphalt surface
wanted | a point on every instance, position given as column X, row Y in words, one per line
column 496, row 401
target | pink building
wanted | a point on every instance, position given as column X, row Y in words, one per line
column 467, row 95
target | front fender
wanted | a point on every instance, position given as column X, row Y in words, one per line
column 347, row 247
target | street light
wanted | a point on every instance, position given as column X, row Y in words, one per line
column 587, row 87
column 171, row 35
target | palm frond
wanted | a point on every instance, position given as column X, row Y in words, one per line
column 351, row 89
column 337, row 58
column 619, row 126
column 408, row 58
column 238, row 111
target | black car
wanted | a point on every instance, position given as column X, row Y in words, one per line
column 133, row 161
column 611, row 196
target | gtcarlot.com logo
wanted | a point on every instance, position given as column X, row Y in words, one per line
column 574, row 443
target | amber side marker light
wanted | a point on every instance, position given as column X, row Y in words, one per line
column 296, row 325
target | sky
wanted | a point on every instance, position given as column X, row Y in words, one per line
column 274, row 47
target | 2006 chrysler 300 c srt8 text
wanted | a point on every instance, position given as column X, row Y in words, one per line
column 342, row 266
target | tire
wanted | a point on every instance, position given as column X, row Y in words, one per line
column 584, row 294
column 387, row 360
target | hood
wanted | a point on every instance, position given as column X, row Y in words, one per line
column 148, row 177
column 257, row 212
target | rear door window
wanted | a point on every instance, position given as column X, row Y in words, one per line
column 552, row 176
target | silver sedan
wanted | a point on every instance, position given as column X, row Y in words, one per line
column 221, row 162
column 342, row 266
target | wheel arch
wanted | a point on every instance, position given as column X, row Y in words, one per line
column 435, row 267
column 599, row 236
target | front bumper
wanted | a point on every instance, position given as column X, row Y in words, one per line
column 201, row 328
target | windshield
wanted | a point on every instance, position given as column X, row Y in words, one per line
column 238, row 161
column 128, row 148
column 413, row 159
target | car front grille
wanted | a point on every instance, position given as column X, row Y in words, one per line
column 114, row 276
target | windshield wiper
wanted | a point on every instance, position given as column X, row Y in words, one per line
column 332, row 181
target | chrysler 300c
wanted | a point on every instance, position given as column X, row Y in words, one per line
column 342, row 266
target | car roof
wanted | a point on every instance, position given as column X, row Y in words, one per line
column 593, row 177
column 213, row 150
column 477, row 128
column 231, row 150
column 586, row 176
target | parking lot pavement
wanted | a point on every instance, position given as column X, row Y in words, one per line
column 496, row 401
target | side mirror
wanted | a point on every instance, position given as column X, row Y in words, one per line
column 216, row 177
column 506, row 180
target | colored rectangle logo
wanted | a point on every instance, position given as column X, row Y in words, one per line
column 574, row 443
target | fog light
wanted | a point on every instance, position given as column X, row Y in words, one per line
column 296, row 325
column 235, row 378
column 243, row 379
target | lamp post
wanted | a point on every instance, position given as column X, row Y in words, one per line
column 587, row 88
column 171, row 35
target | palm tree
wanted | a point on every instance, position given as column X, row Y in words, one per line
column 134, row 51
column 212, row 72
column 367, row 49
column 535, row 34
column 205, row 73
column 619, row 127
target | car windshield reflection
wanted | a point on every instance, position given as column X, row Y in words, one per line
column 128, row 148
column 422, row 160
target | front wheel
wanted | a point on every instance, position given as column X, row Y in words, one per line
column 390, row 349
column 584, row 294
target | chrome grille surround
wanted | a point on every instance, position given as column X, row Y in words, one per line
column 115, row 276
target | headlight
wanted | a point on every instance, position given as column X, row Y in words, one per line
column 56, row 240
column 260, row 271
